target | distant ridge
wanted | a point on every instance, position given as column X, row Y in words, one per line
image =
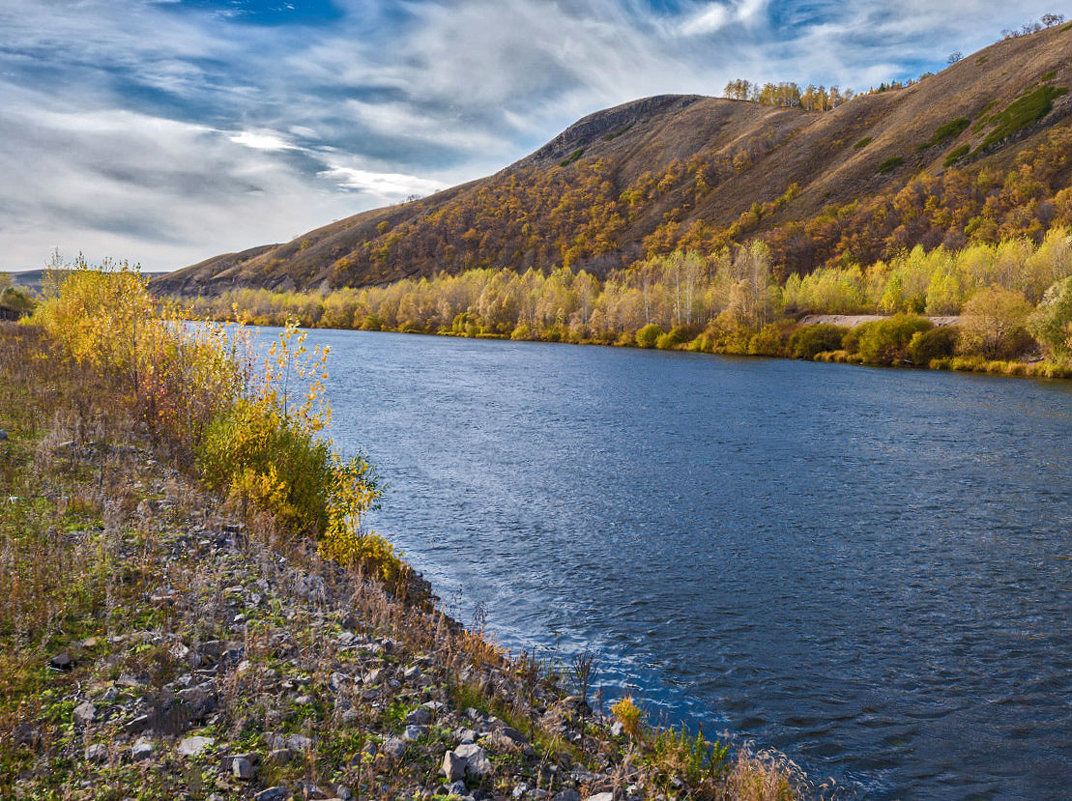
column 686, row 171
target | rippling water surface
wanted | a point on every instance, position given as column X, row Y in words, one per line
column 867, row 569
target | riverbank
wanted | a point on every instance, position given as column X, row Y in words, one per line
column 157, row 643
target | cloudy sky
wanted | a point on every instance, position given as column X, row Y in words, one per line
column 168, row 131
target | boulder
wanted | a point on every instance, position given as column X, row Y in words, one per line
column 453, row 766
column 476, row 760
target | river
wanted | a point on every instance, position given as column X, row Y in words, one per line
column 867, row 569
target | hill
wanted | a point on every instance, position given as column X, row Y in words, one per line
column 978, row 152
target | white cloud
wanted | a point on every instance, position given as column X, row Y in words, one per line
column 387, row 186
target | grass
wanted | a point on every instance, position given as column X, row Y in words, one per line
column 863, row 143
column 572, row 157
column 1023, row 112
column 949, row 130
column 956, row 155
column 890, row 164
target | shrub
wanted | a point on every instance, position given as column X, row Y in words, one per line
column 630, row 716
column 862, row 143
column 1026, row 110
column 807, row 342
column 770, row 340
column 649, row 335
column 886, row 341
column 890, row 164
column 994, row 324
column 1051, row 323
column 956, row 155
column 935, row 343
column 677, row 335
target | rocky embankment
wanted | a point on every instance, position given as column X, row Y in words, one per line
column 265, row 673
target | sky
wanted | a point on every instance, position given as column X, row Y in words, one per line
column 164, row 132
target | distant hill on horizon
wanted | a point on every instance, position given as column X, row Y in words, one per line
column 979, row 152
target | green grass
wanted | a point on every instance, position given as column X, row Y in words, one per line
column 890, row 164
column 1023, row 112
column 862, row 143
column 1049, row 76
column 956, row 155
column 1067, row 27
column 949, row 130
column 572, row 157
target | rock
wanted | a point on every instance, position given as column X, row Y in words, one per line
column 465, row 736
column 568, row 795
column 601, row 797
column 299, row 742
column 411, row 673
column 372, row 677
column 281, row 756
column 241, row 768
column 338, row 681
column 476, row 760
column 520, row 790
column 515, row 735
column 453, row 767
column 304, row 700
column 617, row 729
column 456, row 788
column 350, row 717
column 277, row 793
column 97, row 753
column 192, row 746
column 141, row 751
column 137, row 725
column 342, row 792
column 393, row 748
column 414, row 733
column 61, row 661
column 85, row 713
column 421, row 716
column 3, row 435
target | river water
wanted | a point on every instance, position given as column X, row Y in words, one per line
column 866, row 569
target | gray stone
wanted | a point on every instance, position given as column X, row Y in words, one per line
column 457, row 788
column 601, row 797
column 476, row 760
column 142, row 750
column 515, row 735
column 241, row 768
column 453, row 767
column 372, row 677
column 617, row 729
column 97, row 753
column 85, row 713
column 411, row 673
column 393, row 748
column 299, row 742
column 466, row 736
column 421, row 716
column 343, row 792
column 61, row 661
column 192, row 746
column 281, row 756
column 414, row 733
column 568, row 795
column 520, row 790
column 277, row 793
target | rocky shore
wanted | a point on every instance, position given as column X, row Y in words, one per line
column 159, row 645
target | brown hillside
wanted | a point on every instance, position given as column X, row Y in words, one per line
column 689, row 171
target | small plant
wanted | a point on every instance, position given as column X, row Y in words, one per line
column 581, row 672
column 630, row 716
column 572, row 157
column 956, row 155
column 890, row 164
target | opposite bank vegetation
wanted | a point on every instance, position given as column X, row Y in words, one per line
column 1013, row 300
column 191, row 608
